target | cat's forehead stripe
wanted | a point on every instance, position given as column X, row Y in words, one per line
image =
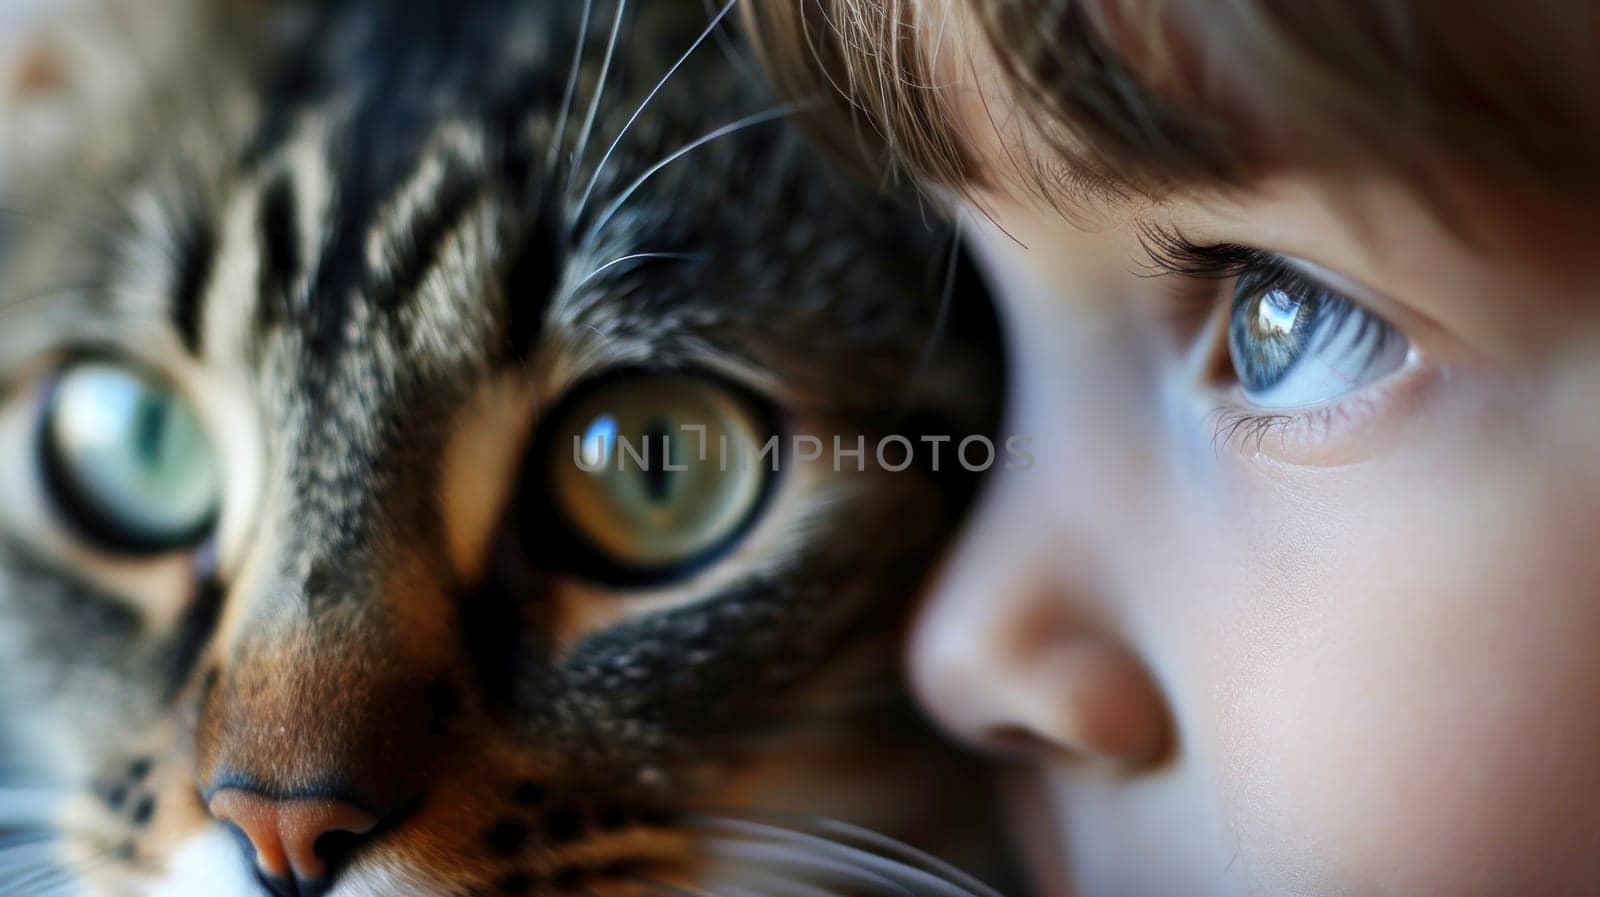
column 196, row 257
column 279, row 235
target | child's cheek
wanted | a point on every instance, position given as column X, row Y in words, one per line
column 1418, row 711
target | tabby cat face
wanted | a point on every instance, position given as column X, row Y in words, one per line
column 298, row 359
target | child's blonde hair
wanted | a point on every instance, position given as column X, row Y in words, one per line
column 1140, row 95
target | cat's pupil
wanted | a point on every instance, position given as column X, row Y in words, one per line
column 150, row 430
column 662, row 454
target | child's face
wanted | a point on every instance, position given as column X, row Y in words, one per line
column 1323, row 621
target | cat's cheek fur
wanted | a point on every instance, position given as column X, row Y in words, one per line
column 205, row 865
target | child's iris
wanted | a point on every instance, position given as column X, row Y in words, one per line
column 1294, row 342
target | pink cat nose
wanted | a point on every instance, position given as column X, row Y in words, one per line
column 285, row 833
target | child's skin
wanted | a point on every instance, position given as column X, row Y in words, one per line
column 1353, row 652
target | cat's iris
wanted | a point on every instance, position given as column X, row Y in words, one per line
column 654, row 473
column 126, row 458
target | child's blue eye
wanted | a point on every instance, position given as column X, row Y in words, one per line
column 1294, row 342
column 126, row 459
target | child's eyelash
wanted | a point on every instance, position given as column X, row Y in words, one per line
column 1197, row 269
column 1170, row 252
column 1241, row 429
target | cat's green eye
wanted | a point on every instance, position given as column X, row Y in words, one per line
column 127, row 460
column 654, row 473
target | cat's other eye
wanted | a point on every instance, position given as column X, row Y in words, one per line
column 126, row 460
column 1295, row 342
column 643, row 477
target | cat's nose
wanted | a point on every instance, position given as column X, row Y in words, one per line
column 297, row 842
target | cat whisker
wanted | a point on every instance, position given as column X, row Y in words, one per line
column 674, row 256
column 32, row 217
column 31, row 302
column 817, row 866
column 599, row 92
column 26, row 840
column 46, row 872
column 749, row 121
column 875, row 853
column 67, row 887
column 572, row 86
column 600, row 168
column 667, row 889
column 838, row 830
column 684, row 889
column 40, row 850
column 56, row 875
column 72, row 229
column 737, row 61
column 767, row 884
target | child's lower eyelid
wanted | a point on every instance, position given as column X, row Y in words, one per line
column 1350, row 427
column 1239, row 428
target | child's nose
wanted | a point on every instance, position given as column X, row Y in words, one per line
column 1010, row 653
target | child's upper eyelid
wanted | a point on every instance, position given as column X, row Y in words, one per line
column 1208, row 266
column 1172, row 253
